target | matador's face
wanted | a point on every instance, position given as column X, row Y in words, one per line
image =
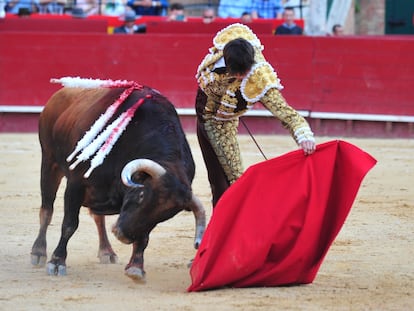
column 240, row 76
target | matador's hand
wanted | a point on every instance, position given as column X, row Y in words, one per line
column 308, row 146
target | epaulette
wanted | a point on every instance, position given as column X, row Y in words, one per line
column 258, row 81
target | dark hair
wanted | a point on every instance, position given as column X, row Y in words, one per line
column 176, row 6
column 238, row 56
column 334, row 27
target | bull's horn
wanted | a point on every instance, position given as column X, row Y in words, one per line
column 141, row 165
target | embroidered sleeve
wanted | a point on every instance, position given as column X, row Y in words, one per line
column 290, row 118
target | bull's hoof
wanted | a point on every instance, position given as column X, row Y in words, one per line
column 108, row 258
column 38, row 260
column 136, row 274
column 55, row 269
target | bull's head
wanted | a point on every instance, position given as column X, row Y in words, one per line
column 140, row 207
column 154, row 196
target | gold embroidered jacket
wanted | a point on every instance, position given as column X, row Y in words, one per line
column 229, row 98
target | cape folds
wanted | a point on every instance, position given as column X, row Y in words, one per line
column 275, row 224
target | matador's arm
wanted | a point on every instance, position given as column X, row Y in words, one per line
column 290, row 118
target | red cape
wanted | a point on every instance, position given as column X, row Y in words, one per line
column 275, row 224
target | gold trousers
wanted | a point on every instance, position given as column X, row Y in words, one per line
column 223, row 139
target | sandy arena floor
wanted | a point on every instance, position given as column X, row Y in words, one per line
column 369, row 267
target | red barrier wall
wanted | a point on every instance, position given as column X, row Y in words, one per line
column 58, row 25
column 365, row 75
column 350, row 74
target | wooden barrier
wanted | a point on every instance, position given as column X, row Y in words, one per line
column 347, row 79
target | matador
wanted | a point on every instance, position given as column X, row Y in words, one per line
column 223, row 97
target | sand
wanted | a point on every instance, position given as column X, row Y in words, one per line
column 370, row 266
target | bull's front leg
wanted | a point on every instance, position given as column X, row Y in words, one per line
column 73, row 200
column 135, row 268
column 57, row 264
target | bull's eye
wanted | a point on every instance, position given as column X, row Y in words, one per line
column 141, row 197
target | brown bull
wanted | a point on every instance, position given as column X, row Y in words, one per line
column 145, row 178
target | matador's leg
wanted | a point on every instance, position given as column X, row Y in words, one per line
column 223, row 138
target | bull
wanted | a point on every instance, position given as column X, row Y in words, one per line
column 145, row 178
